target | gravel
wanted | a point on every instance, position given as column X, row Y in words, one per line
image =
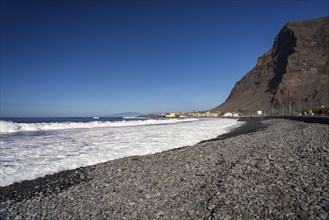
column 278, row 172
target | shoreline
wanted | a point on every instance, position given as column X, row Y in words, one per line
column 247, row 172
column 57, row 182
column 251, row 125
column 306, row 119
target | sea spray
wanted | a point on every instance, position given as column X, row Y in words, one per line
column 35, row 149
column 13, row 127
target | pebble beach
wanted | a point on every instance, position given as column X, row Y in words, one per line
column 267, row 169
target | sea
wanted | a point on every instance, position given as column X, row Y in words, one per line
column 35, row 147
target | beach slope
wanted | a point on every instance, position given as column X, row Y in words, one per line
column 278, row 172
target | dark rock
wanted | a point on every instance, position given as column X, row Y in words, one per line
column 293, row 74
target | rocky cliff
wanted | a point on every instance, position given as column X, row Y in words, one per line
column 291, row 76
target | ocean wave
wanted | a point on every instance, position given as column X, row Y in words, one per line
column 14, row 127
column 24, row 157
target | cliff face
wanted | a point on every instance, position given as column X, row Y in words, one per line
column 291, row 76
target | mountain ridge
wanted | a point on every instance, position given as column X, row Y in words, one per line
column 291, row 76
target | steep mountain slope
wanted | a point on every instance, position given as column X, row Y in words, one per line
column 291, row 76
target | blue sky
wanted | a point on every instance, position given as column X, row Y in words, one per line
column 83, row 58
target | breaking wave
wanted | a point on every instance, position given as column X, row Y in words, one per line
column 29, row 155
column 13, row 127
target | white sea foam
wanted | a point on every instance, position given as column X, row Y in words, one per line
column 12, row 127
column 29, row 155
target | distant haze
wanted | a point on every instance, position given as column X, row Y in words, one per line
column 98, row 58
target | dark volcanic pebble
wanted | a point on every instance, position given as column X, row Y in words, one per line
column 279, row 172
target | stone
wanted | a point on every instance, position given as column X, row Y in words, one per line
column 286, row 209
column 326, row 208
column 323, row 215
column 304, row 206
column 159, row 214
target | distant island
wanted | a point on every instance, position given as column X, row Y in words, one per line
column 126, row 114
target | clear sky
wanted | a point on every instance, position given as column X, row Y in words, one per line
column 86, row 58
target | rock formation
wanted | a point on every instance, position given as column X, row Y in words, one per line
column 293, row 75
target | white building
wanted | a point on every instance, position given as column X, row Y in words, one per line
column 228, row 114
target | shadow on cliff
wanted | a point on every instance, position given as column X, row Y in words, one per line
column 283, row 47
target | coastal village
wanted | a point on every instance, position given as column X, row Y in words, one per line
column 194, row 114
column 200, row 114
column 321, row 111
